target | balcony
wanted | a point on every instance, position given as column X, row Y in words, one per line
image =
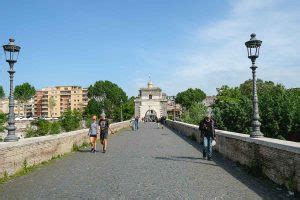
column 65, row 93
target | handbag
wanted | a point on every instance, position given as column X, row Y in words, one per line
column 213, row 143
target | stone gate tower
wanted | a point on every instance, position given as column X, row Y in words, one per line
column 151, row 103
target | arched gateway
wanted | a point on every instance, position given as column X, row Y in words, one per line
column 150, row 116
column 151, row 103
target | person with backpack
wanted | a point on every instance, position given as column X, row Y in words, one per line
column 104, row 127
column 94, row 130
column 207, row 128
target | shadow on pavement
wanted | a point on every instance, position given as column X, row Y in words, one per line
column 252, row 182
column 185, row 159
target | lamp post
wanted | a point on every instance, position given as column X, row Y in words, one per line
column 11, row 52
column 253, row 46
column 121, row 110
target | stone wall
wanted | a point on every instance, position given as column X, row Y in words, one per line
column 277, row 159
column 39, row 149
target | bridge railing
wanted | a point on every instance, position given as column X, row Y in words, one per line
column 277, row 159
column 38, row 149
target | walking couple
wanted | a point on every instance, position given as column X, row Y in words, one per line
column 102, row 127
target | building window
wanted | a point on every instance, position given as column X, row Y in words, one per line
column 150, row 96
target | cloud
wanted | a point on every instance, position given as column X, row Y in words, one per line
column 221, row 57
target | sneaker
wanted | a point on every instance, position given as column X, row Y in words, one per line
column 209, row 158
column 104, row 151
column 92, row 150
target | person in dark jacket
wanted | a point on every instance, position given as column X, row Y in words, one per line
column 207, row 128
column 104, row 127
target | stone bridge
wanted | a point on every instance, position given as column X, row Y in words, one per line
column 151, row 163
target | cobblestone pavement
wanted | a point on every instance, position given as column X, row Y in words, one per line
column 148, row 164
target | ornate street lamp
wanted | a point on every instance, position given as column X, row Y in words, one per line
column 253, row 46
column 11, row 52
column 121, row 110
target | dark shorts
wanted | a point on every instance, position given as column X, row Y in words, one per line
column 95, row 136
column 103, row 135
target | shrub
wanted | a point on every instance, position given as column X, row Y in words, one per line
column 88, row 122
column 55, row 128
column 70, row 120
column 3, row 119
column 31, row 132
column 194, row 114
column 43, row 127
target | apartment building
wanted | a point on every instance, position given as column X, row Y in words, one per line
column 20, row 109
column 173, row 108
column 53, row 101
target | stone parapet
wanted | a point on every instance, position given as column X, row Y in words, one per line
column 38, row 149
column 277, row 159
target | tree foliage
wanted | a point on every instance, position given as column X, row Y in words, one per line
column 279, row 108
column 190, row 96
column 232, row 110
column 128, row 109
column 24, row 92
column 52, row 104
column 70, row 120
column 42, row 127
column 3, row 119
column 194, row 114
column 107, row 96
column 2, row 93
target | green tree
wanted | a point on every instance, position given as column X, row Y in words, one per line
column 42, row 128
column 232, row 110
column 190, row 96
column 70, row 120
column 128, row 109
column 275, row 105
column 55, row 128
column 52, row 104
column 107, row 96
column 194, row 114
column 23, row 93
column 2, row 93
column 294, row 97
column 3, row 119
column 279, row 108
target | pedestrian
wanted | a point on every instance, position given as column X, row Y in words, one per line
column 157, row 122
column 207, row 128
column 132, row 123
column 162, row 121
column 94, row 130
column 136, row 123
column 104, row 127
